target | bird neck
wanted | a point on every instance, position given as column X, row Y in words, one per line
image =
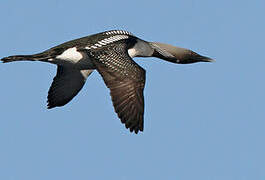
column 140, row 48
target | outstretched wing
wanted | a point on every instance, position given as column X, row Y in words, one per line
column 126, row 81
column 65, row 86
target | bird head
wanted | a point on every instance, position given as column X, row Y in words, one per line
column 177, row 54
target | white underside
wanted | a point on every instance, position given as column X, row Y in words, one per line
column 76, row 58
column 132, row 52
column 72, row 56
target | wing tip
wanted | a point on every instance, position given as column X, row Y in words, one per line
column 50, row 106
column 134, row 128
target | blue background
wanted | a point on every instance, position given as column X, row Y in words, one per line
column 203, row 121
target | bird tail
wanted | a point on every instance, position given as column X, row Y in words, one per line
column 18, row 58
column 34, row 57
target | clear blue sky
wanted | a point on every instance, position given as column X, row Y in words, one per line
column 204, row 121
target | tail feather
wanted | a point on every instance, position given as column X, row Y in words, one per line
column 16, row 58
column 34, row 57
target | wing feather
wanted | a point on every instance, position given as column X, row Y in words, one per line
column 66, row 85
column 126, row 81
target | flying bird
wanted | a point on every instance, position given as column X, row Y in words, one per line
column 110, row 53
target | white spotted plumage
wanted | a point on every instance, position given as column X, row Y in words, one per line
column 106, row 41
column 102, row 43
column 118, row 32
column 98, row 45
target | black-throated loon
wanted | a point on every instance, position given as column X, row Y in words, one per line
column 110, row 53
